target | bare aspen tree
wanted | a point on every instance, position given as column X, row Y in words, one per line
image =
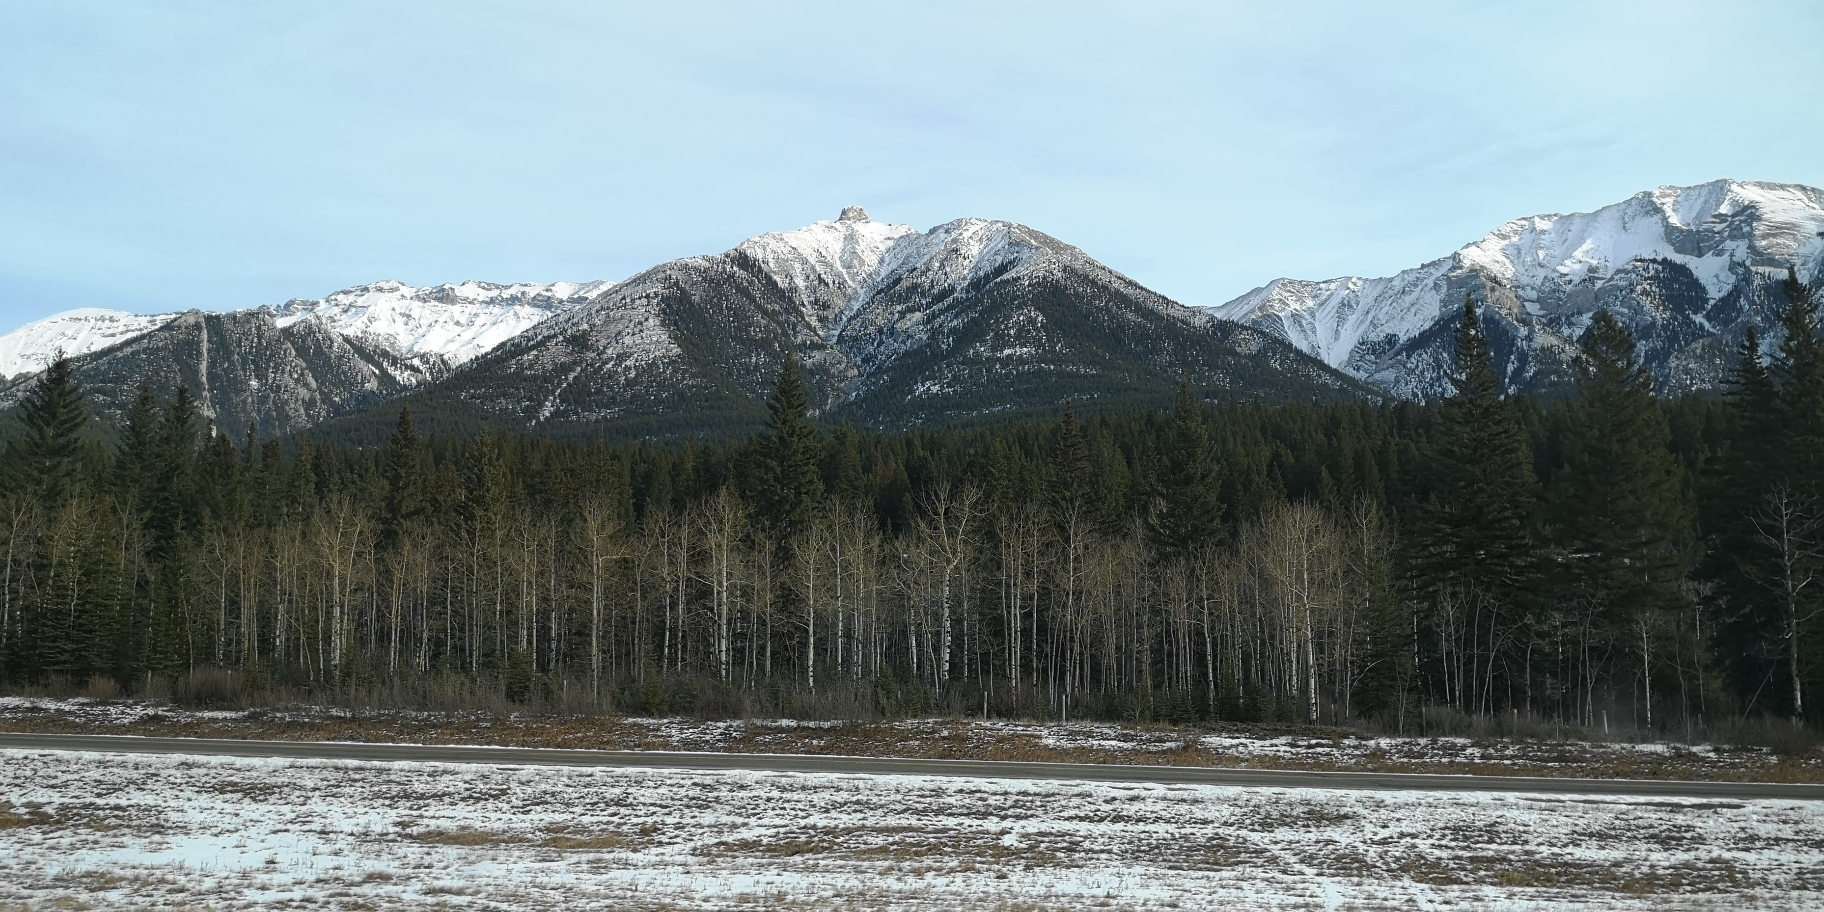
column 944, row 541
column 722, row 523
column 601, row 542
column 819, row 573
column 342, row 532
column 1787, row 524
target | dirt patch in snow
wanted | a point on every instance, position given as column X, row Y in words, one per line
column 1255, row 747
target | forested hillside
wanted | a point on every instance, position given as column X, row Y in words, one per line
column 1605, row 559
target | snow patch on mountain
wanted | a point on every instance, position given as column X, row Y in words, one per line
column 824, row 265
column 457, row 322
column 31, row 347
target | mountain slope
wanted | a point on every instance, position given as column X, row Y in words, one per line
column 245, row 370
column 1687, row 269
column 455, row 322
column 287, row 368
column 894, row 328
column 29, row 348
column 978, row 317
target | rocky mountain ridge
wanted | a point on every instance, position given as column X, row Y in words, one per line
column 1687, row 269
column 895, row 328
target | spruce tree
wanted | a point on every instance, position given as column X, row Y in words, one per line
column 1798, row 374
column 842, row 473
column 1188, row 516
column 1618, row 504
column 1763, row 525
column 222, row 482
column 1072, row 484
column 1474, row 526
column 1736, row 479
column 402, row 470
column 78, row 562
column 175, row 508
column 792, row 471
column 46, row 462
column 137, row 457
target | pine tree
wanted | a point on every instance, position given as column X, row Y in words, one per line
column 1188, row 516
column 1798, row 374
column 795, row 482
column 1764, row 513
column 402, row 469
column 224, row 498
column 1618, row 501
column 46, row 462
column 136, row 459
column 1071, row 482
column 1474, row 527
column 842, row 474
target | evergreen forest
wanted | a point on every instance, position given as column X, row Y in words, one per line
column 1608, row 558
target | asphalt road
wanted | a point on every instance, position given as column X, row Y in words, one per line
column 874, row 766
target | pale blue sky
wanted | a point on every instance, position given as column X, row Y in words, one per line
column 163, row 156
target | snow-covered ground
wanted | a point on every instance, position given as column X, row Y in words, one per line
column 1278, row 747
column 141, row 831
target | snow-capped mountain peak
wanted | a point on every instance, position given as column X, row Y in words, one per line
column 455, row 321
column 1687, row 268
column 825, row 264
column 31, row 347
column 1708, row 228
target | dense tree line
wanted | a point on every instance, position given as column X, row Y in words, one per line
column 1608, row 554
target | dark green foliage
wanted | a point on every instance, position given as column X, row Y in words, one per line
column 842, row 468
column 1618, row 502
column 1111, row 571
column 1764, row 529
column 46, row 461
column 1073, row 487
column 793, row 478
column 1477, row 493
column 1188, row 515
column 402, row 470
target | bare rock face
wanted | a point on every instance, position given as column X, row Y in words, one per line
column 853, row 214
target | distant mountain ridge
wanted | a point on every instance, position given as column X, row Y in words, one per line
column 74, row 333
column 455, row 322
column 245, row 370
column 895, row 328
column 1687, row 269
column 288, row 368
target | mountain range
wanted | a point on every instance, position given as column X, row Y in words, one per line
column 893, row 328
column 1686, row 269
column 972, row 320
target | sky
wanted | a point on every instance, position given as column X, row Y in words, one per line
column 157, row 157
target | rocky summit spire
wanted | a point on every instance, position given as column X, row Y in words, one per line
column 853, row 214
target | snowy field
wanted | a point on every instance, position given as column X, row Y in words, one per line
column 140, row 831
column 1082, row 742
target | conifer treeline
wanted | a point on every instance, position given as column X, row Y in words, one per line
column 1608, row 554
